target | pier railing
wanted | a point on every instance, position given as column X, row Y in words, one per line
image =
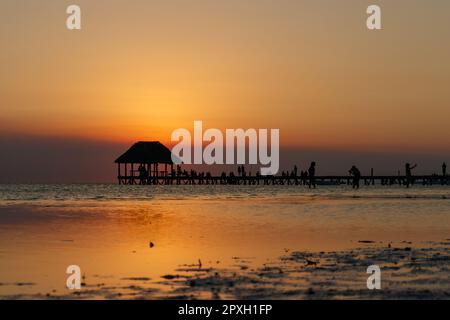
column 282, row 180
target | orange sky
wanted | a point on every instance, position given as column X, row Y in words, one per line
column 140, row 69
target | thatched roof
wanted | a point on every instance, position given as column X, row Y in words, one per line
column 146, row 152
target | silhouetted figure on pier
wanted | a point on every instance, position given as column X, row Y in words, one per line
column 444, row 169
column 295, row 171
column 223, row 177
column 312, row 174
column 142, row 174
column 408, row 173
column 356, row 174
column 303, row 177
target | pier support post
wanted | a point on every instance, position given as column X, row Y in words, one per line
column 118, row 173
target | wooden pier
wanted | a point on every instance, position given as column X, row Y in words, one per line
column 150, row 163
column 168, row 179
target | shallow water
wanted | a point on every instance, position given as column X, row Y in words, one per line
column 201, row 231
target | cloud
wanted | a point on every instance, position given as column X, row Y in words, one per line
column 30, row 159
column 26, row 159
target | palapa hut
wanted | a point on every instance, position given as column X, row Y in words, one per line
column 146, row 155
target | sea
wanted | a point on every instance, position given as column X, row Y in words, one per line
column 222, row 241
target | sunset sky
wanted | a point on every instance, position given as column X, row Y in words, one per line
column 140, row 69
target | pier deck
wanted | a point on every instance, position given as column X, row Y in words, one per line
column 282, row 180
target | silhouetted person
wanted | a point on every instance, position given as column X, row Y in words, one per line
column 142, row 174
column 444, row 169
column 303, row 177
column 408, row 173
column 295, row 171
column 354, row 171
column 312, row 174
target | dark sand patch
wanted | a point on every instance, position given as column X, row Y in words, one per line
column 407, row 273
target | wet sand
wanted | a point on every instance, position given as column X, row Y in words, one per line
column 407, row 273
